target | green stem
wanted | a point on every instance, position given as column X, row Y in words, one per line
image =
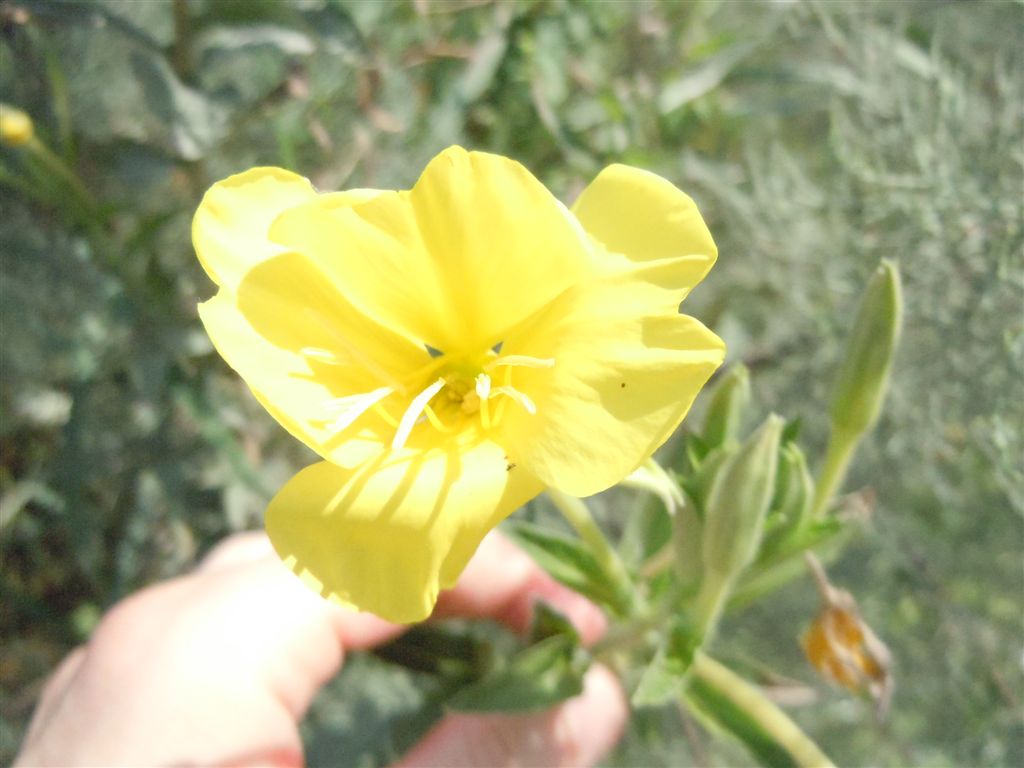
column 181, row 53
column 733, row 703
column 578, row 514
column 710, row 603
column 841, row 446
column 629, row 636
column 53, row 164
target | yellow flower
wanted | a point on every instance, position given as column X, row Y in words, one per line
column 450, row 351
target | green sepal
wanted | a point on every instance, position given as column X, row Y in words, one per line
column 687, row 543
column 568, row 561
column 791, row 506
column 695, row 450
column 698, row 484
column 737, row 504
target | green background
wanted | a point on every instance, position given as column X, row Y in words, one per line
column 816, row 137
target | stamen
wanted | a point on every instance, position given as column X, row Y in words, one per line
column 354, row 406
column 413, row 413
column 506, row 380
column 519, row 397
column 524, row 361
column 435, row 420
column 483, row 391
column 381, row 411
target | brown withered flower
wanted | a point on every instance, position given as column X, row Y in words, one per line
column 843, row 648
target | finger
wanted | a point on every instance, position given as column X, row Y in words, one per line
column 577, row 733
column 503, row 583
column 54, row 690
column 237, row 549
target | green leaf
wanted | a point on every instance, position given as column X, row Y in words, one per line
column 665, row 677
column 566, row 560
column 704, row 77
column 786, row 561
column 547, row 622
column 534, row 679
column 447, row 650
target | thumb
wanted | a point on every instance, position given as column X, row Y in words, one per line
column 578, row 732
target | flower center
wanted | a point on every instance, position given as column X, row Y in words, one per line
column 469, row 389
column 462, row 389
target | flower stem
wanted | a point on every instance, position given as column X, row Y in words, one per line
column 841, row 446
column 709, row 604
column 728, row 699
column 55, row 166
column 575, row 510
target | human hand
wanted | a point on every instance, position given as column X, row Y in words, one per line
column 219, row 666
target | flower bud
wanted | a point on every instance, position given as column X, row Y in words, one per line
column 15, row 126
column 737, row 505
column 794, row 487
column 843, row 648
column 864, row 374
column 725, row 413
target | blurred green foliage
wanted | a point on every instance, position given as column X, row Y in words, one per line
column 817, row 138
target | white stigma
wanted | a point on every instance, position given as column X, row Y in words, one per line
column 354, row 406
column 413, row 413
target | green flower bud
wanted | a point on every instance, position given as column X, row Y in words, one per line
column 15, row 126
column 725, row 413
column 864, row 376
column 794, row 488
column 738, row 503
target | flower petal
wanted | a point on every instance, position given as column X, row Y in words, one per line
column 644, row 217
column 622, row 382
column 386, row 537
column 230, row 227
column 475, row 247
column 281, row 311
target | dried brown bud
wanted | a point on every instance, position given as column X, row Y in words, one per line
column 843, row 648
